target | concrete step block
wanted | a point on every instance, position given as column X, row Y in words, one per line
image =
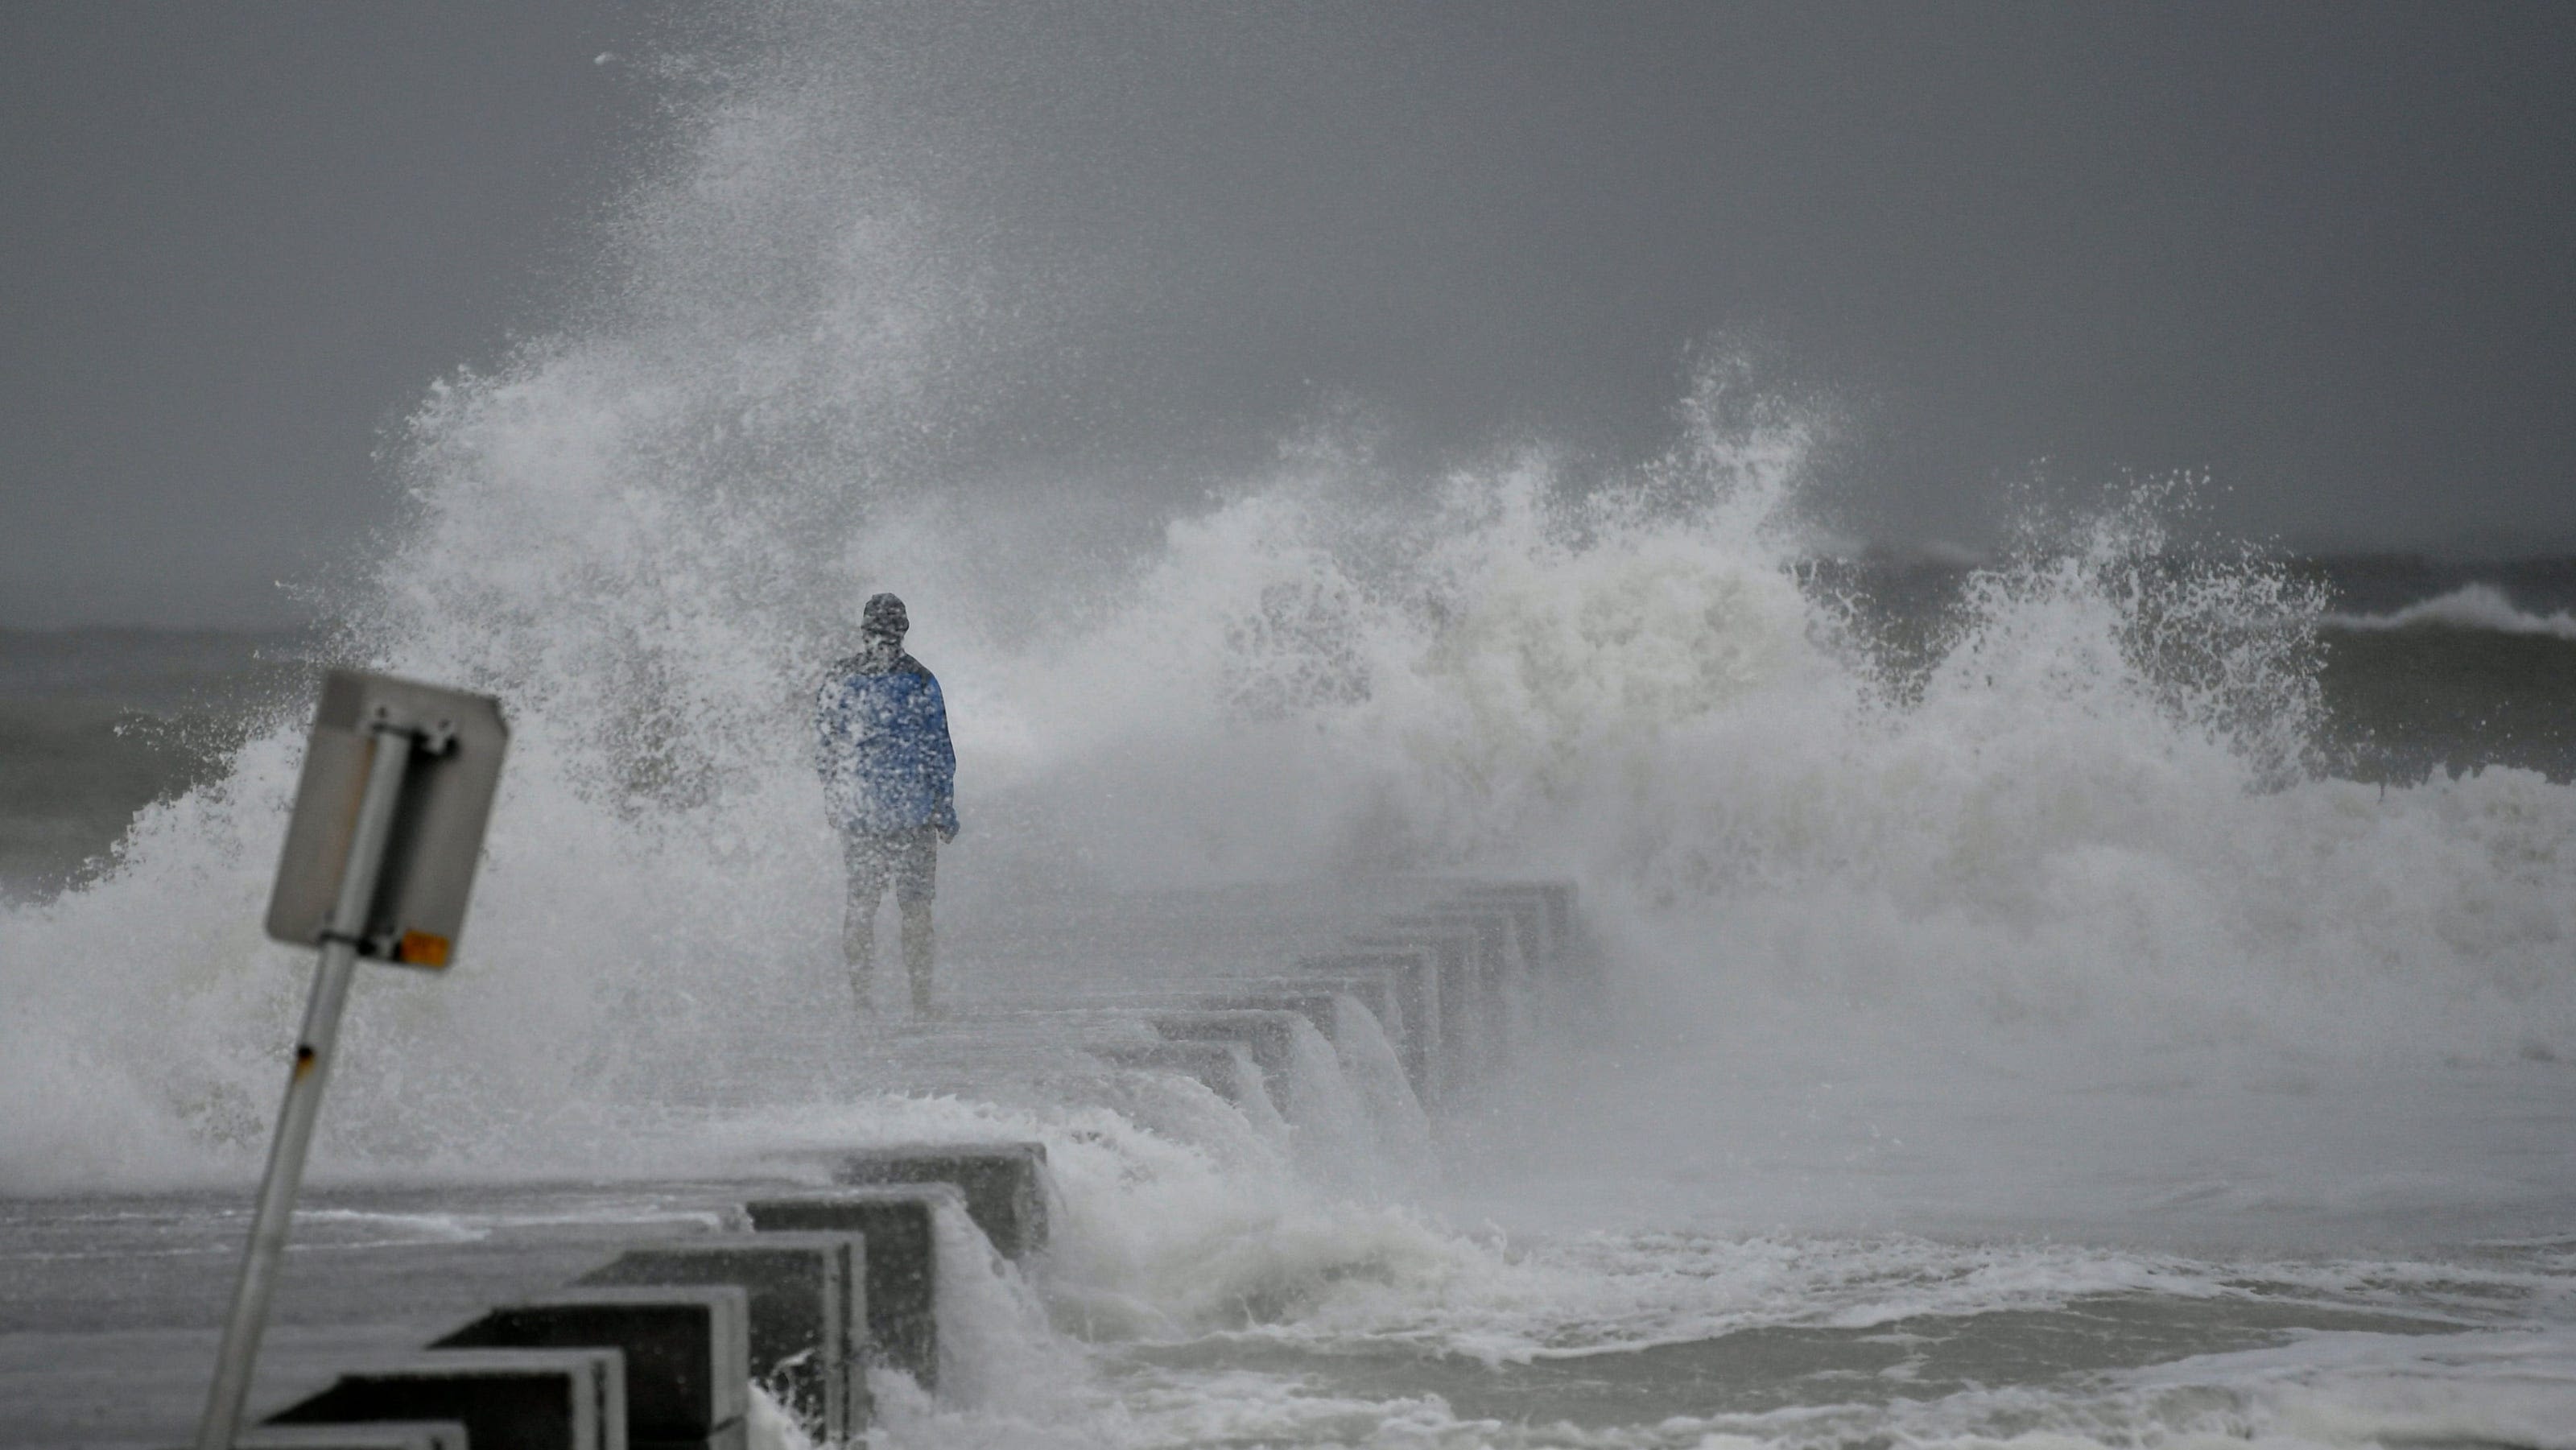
column 1271, row 1037
column 1376, row 990
column 1499, row 967
column 1004, row 1184
column 1451, row 982
column 1223, row 1068
column 806, row 1296
column 1554, row 901
column 1412, row 980
column 366, row 1435
column 1528, row 912
column 1414, row 969
column 1467, row 945
column 507, row 1399
column 1502, row 955
column 1313, row 1003
column 687, row 1349
column 899, row 1238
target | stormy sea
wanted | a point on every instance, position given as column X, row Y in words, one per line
column 2420, row 666
column 2111, row 990
column 2101, row 998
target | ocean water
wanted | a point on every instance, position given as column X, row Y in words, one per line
column 2117, row 994
column 96, row 724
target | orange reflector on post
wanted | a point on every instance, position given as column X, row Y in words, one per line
column 421, row 949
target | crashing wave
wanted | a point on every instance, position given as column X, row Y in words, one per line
column 2471, row 606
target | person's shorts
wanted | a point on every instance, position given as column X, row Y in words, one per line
column 908, row 860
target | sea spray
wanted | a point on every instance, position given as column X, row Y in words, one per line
column 2095, row 808
column 649, row 530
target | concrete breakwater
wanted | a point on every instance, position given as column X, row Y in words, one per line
column 806, row 1293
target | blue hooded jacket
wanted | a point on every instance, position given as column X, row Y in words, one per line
column 883, row 744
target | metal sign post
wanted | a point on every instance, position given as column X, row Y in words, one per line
column 397, row 785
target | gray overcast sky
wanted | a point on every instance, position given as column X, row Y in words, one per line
column 2322, row 251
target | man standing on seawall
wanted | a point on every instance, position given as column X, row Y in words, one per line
column 890, row 783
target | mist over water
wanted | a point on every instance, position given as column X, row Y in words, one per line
column 2065, row 923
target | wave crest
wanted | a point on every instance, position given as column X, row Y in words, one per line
column 2469, row 607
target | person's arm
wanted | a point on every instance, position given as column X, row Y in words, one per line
column 828, row 726
column 943, row 764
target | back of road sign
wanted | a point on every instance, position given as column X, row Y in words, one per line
column 456, row 740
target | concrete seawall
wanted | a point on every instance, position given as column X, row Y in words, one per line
column 806, row 1293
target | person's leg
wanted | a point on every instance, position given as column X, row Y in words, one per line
column 868, row 863
column 916, row 881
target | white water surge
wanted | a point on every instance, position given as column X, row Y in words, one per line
column 2056, row 977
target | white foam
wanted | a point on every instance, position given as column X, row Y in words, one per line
column 1335, row 1137
column 771, row 1426
column 997, row 1353
column 2338, row 1391
column 1371, row 1065
column 2471, row 606
column 2345, row 1389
